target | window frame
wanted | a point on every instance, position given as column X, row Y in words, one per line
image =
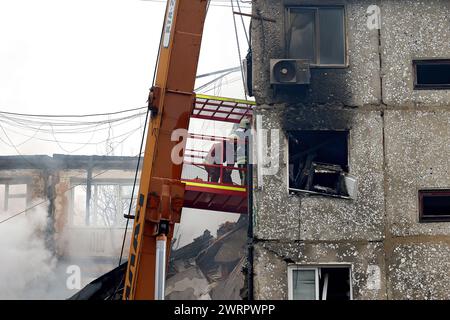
column 317, row 33
column 292, row 267
column 7, row 182
column 291, row 270
column 428, row 61
column 433, row 219
column 120, row 182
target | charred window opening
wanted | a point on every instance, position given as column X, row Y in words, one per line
column 434, row 205
column 319, row 283
column 432, row 74
column 318, row 162
column 316, row 34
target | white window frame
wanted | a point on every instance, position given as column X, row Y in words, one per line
column 95, row 183
column 7, row 183
column 316, row 268
column 291, row 280
column 316, row 37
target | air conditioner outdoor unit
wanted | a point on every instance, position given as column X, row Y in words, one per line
column 289, row 72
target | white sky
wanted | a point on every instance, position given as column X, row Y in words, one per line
column 93, row 56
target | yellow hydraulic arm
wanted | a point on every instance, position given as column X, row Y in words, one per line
column 160, row 197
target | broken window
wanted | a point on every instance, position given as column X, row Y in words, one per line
column 316, row 34
column 434, row 205
column 319, row 283
column 13, row 197
column 104, row 206
column 318, row 163
column 432, row 74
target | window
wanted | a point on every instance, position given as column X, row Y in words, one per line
column 105, row 206
column 432, row 74
column 319, row 283
column 434, row 205
column 13, row 197
column 318, row 162
column 316, row 34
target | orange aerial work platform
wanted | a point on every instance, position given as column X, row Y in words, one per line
column 163, row 183
column 229, row 192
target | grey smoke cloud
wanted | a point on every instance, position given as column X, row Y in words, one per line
column 26, row 264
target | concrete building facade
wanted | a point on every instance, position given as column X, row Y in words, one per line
column 389, row 116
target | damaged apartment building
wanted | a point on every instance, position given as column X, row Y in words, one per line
column 360, row 93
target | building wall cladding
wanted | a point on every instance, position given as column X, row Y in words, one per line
column 398, row 144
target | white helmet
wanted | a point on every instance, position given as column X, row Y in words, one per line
column 245, row 123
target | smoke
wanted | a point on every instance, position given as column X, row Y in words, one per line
column 26, row 265
column 29, row 269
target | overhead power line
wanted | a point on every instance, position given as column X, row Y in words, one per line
column 238, row 46
column 72, row 115
column 68, row 189
column 215, row 80
column 212, row 3
column 217, row 72
column 52, row 126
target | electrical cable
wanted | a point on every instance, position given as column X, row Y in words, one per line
column 67, row 151
column 215, row 3
column 242, row 21
column 42, row 127
column 217, row 72
column 214, row 80
column 68, row 123
column 71, row 116
column 67, row 142
column 239, row 50
column 53, row 198
column 45, row 201
column 233, row 80
column 134, row 186
column 58, row 142
column 140, row 152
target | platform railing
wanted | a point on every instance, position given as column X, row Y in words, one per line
column 201, row 166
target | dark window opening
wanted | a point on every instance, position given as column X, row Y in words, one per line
column 316, row 34
column 434, row 205
column 328, row 283
column 335, row 284
column 432, row 74
column 318, row 162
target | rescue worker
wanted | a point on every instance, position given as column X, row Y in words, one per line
column 214, row 157
column 241, row 148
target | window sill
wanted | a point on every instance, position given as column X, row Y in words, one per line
column 435, row 220
column 329, row 66
column 316, row 193
column 430, row 88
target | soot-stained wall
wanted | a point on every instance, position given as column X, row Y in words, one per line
column 398, row 144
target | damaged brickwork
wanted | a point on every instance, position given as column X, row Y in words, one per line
column 398, row 145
